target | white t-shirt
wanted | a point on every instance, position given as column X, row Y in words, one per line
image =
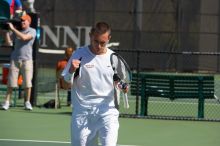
column 94, row 84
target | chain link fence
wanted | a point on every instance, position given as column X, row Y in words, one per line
column 158, row 107
column 166, row 63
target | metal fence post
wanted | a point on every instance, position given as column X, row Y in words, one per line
column 143, row 95
column 201, row 99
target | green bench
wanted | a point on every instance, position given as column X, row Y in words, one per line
column 173, row 86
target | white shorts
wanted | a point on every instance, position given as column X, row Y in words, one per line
column 92, row 124
column 26, row 70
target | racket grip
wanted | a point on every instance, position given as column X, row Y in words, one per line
column 125, row 99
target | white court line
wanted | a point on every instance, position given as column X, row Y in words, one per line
column 44, row 141
column 36, row 141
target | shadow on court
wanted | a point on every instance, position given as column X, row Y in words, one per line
column 29, row 143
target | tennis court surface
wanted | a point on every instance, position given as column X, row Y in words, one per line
column 51, row 127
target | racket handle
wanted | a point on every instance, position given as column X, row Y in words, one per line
column 125, row 99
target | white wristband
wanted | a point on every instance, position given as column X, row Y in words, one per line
column 68, row 77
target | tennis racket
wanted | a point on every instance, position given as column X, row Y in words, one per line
column 121, row 78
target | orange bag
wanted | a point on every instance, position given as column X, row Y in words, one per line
column 20, row 80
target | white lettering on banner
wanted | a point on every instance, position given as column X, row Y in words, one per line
column 87, row 39
column 60, row 39
column 54, row 38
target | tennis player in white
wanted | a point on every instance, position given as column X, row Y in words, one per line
column 94, row 114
